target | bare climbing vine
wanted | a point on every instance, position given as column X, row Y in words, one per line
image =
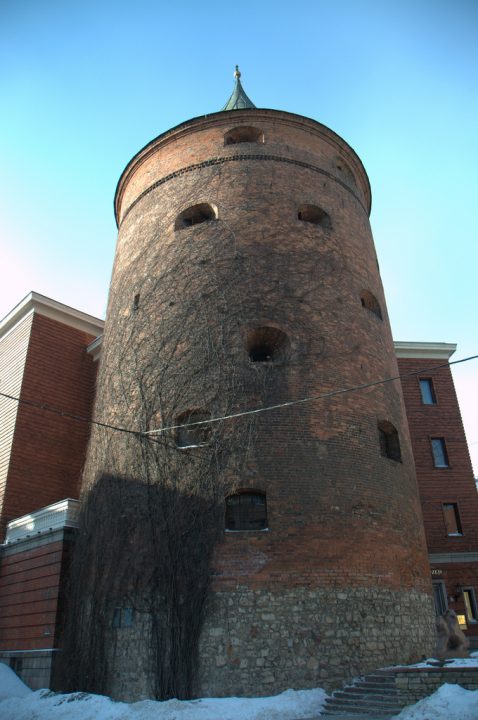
column 153, row 505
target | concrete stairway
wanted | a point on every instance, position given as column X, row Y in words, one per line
column 374, row 694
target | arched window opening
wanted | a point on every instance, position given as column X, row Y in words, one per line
column 266, row 344
column 195, row 215
column 246, row 510
column 370, row 302
column 389, row 441
column 191, row 435
column 243, row 135
column 315, row 215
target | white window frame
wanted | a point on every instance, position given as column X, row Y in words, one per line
column 474, row 606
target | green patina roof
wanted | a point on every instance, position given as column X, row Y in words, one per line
column 238, row 99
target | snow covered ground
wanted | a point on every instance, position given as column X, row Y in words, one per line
column 450, row 702
column 17, row 702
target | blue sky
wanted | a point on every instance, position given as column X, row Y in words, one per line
column 84, row 85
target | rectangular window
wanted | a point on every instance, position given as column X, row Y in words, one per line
column 469, row 598
column 123, row 617
column 452, row 519
column 427, row 391
column 439, row 596
column 440, row 455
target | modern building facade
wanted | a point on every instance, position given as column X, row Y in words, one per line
column 285, row 548
column 445, row 478
column 44, row 363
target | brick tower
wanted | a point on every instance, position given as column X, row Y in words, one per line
column 245, row 277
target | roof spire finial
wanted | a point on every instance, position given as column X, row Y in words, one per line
column 238, row 99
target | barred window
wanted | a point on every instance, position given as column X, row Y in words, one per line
column 246, row 511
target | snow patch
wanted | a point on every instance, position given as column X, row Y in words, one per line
column 449, row 702
column 19, row 703
column 10, row 684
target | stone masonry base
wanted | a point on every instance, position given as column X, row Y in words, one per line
column 261, row 642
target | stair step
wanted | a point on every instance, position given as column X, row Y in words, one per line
column 371, row 688
column 361, row 710
column 362, row 703
column 359, row 695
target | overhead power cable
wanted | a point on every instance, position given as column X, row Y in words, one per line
column 71, row 416
column 65, row 413
column 312, row 398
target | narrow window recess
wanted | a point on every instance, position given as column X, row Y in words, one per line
column 136, row 301
column 191, row 435
column 440, row 597
column 195, row 215
column 123, row 617
column 452, row 519
column 370, row 302
column 389, row 441
column 471, row 608
column 243, row 134
column 246, row 510
column 266, row 345
column 439, row 451
column 427, row 391
column 314, row 215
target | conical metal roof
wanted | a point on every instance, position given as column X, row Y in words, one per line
column 238, row 99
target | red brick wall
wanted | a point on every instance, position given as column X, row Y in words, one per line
column 48, row 450
column 29, row 590
column 453, row 484
column 339, row 512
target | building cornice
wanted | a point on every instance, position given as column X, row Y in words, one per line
column 94, row 348
column 36, row 303
column 428, row 350
column 450, row 558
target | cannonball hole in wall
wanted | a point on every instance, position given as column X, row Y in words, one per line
column 314, row 215
column 243, row 135
column 194, row 215
column 370, row 302
column 266, row 344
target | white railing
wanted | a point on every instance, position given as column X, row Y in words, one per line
column 53, row 517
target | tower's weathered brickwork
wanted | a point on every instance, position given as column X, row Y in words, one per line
column 245, row 259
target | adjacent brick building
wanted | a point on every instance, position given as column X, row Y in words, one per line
column 44, row 363
column 445, row 478
column 251, row 225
